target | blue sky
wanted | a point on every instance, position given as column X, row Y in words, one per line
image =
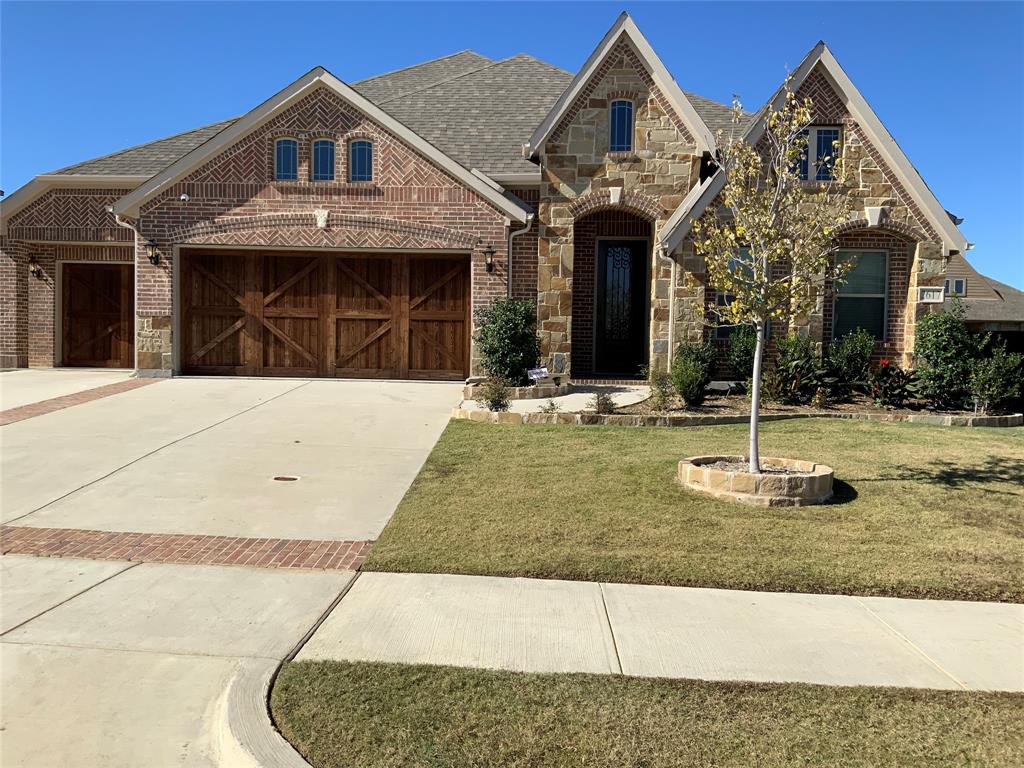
column 83, row 79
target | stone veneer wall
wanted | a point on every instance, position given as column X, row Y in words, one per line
column 581, row 176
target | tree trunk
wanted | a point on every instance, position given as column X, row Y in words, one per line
column 755, row 400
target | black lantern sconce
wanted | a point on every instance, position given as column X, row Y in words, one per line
column 33, row 267
column 488, row 253
column 154, row 254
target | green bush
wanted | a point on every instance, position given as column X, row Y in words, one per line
column 602, row 402
column 506, row 338
column 494, row 395
column 692, row 368
column 891, row 386
column 848, row 362
column 945, row 353
column 797, row 374
column 742, row 347
column 662, row 388
column 996, row 381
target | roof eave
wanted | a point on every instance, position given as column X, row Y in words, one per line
column 34, row 189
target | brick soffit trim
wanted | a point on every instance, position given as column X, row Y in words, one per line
column 319, row 77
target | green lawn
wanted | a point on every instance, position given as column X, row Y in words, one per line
column 920, row 511
column 392, row 716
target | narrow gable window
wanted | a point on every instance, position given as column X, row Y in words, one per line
column 860, row 301
column 323, row 160
column 286, row 160
column 360, row 161
column 819, row 158
column 621, row 138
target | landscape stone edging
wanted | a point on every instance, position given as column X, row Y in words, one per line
column 698, row 420
column 538, row 392
column 810, row 483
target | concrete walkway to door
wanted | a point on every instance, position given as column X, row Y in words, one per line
column 199, row 456
column 23, row 386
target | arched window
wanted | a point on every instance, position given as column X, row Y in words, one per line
column 323, row 160
column 286, row 160
column 360, row 161
column 621, row 126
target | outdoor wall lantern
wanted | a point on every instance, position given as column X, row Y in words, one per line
column 488, row 253
column 154, row 254
column 33, row 267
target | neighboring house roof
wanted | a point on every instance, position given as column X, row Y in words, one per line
column 1008, row 308
column 625, row 28
column 482, row 117
column 316, row 78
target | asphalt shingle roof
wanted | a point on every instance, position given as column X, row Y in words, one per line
column 717, row 117
column 1009, row 310
column 477, row 111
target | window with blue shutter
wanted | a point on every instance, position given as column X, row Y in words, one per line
column 286, row 160
column 323, row 160
column 621, row 138
column 360, row 161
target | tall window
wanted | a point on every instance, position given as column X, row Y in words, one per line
column 286, row 160
column 820, row 155
column 621, row 126
column 723, row 299
column 323, row 160
column 860, row 301
column 360, row 161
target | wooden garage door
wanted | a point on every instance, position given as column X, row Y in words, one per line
column 359, row 315
column 97, row 323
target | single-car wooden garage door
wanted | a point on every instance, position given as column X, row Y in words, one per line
column 268, row 313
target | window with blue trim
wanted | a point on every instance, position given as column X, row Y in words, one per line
column 286, row 160
column 360, row 161
column 323, row 160
column 621, row 126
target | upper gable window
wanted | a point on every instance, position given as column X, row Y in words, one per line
column 286, row 160
column 323, row 160
column 823, row 144
column 621, row 126
column 360, row 161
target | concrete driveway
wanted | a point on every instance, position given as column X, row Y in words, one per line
column 199, row 456
column 23, row 386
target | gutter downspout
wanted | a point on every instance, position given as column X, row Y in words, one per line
column 135, row 285
column 508, row 253
column 662, row 254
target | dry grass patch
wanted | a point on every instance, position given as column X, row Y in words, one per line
column 392, row 716
column 919, row 511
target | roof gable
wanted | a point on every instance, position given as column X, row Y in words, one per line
column 624, row 28
column 317, row 78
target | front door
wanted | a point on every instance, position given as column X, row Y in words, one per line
column 97, row 325
column 620, row 338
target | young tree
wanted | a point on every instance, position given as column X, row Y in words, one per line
column 773, row 251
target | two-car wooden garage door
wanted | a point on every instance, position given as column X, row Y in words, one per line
column 263, row 313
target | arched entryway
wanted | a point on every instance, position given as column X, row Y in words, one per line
column 611, row 293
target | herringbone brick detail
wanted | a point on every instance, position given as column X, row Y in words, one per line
column 188, row 549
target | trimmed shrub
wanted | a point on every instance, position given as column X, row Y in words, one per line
column 494, row 395
column 506, row 338
column 691, row 370
column 797, row 374
column 550, row 407
column 602, row 402
column 848, row 361
column 740, row 355
column 996, row 381
column 945, row 353
column 891, row 386
column 662, row 388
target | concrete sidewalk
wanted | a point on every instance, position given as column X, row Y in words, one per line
column 24, row 386
column 561, row 626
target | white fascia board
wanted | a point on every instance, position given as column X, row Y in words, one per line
column 690, row 209
column 625, row 26
column 43, row 183
column 319, row 77
column 876, row 133
column 516, row 178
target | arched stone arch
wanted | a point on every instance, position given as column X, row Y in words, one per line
column 899, row 228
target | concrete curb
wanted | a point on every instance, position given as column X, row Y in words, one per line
column 247, row 737
column 630, row 420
